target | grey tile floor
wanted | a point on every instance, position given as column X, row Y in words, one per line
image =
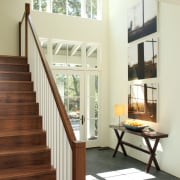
column 101, row 166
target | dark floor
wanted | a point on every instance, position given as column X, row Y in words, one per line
column 101, row 166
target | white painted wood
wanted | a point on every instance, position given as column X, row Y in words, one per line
column 61, row 153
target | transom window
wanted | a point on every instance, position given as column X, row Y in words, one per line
column 72, row 54
column 76, row 68
column 82, row 8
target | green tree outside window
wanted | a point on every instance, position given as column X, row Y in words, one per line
column 74, row 7
column 44, row 5
column 68, row 7
column 91, row 9
column 36, row 4
column 59, row 6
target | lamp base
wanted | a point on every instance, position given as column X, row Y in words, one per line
column 120, row 121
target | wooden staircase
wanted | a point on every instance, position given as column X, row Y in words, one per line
column 23, row 151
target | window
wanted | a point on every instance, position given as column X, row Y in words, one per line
column 91, row 9
column 76, row 69
column 67, row 54
column 82, row 8
column 59, row 6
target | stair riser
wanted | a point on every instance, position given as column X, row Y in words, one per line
column 22, row 141
column 24, row 159
column 14, row 60
column 16, row 86
column 50, row 176
column 15, row 76
column 19, row 109
column 17, row 97
column 20, row 124
column 14, row 68
column 23, row 151
column 45, row 176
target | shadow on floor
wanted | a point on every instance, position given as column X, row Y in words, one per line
column 100, row 165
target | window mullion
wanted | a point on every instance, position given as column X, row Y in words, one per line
column 91, row 9
column 99, row 9
column 67, row 13
column 83, row 8
column 83, row 55
column 40, row 7
column 84, row 3
column 50, row 4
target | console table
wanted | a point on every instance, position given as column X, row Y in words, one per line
column 151, row 149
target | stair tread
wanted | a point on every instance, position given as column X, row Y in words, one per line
column 15, row 81
column 21, row 150
column 18, row 103
column 21, row 132
column 16, row 64
column 16, row 117
column 19, row 172
column 14, row 72
column 24, row 154
column 12, row 57
column 16, row 92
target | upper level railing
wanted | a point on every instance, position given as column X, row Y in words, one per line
column 67, row 154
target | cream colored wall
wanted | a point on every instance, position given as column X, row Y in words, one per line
column 114, row 58
column 10, row 14
column 80, row 29
column 169, row 86
column 58, row 27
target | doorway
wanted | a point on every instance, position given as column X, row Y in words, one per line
column 80, row 93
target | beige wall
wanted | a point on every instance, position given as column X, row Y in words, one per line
column 10, row 14
column 114, row 59
column 58, row 27
column 169, row 87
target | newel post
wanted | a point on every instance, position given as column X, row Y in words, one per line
column 27, row 12
column 79, row 161
column 19, row 38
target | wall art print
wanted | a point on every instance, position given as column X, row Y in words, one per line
column 142, row 19
column 142, row 101
column 143, row 59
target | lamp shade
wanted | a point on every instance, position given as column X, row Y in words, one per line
column 119, row 109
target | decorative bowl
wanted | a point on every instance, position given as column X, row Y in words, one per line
column 134, row 128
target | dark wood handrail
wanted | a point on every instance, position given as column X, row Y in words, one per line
column 20, row 24
column 78, row 147
column 53, row 86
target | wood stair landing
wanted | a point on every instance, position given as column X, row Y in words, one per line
column 24, row 154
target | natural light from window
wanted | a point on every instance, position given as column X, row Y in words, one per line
column 125, row 174
column 91, row 9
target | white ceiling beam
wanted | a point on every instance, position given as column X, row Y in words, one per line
column 43, row 41
column 57, row 48
column 91, row 50
column 74, row 49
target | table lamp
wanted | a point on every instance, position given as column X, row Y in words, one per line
column 119, row 110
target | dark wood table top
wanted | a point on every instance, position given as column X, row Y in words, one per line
column 143, row 133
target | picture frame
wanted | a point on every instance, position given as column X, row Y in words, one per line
column 143, row 101
column 142, row 19
column 143, row 59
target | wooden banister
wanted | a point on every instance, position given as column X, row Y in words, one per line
column 78, row 148
column 20, row 24
column 54, row 89
column 27, row 12
column 79, row 159
column 19, row 38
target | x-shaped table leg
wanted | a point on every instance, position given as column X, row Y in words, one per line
column 152, row 151
column 119, row 138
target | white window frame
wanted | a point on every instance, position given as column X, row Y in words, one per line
column 83, row 9
column 87, row 71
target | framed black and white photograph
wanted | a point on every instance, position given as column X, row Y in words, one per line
column 143, row 60
column 142, row 19
column 142, row 101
